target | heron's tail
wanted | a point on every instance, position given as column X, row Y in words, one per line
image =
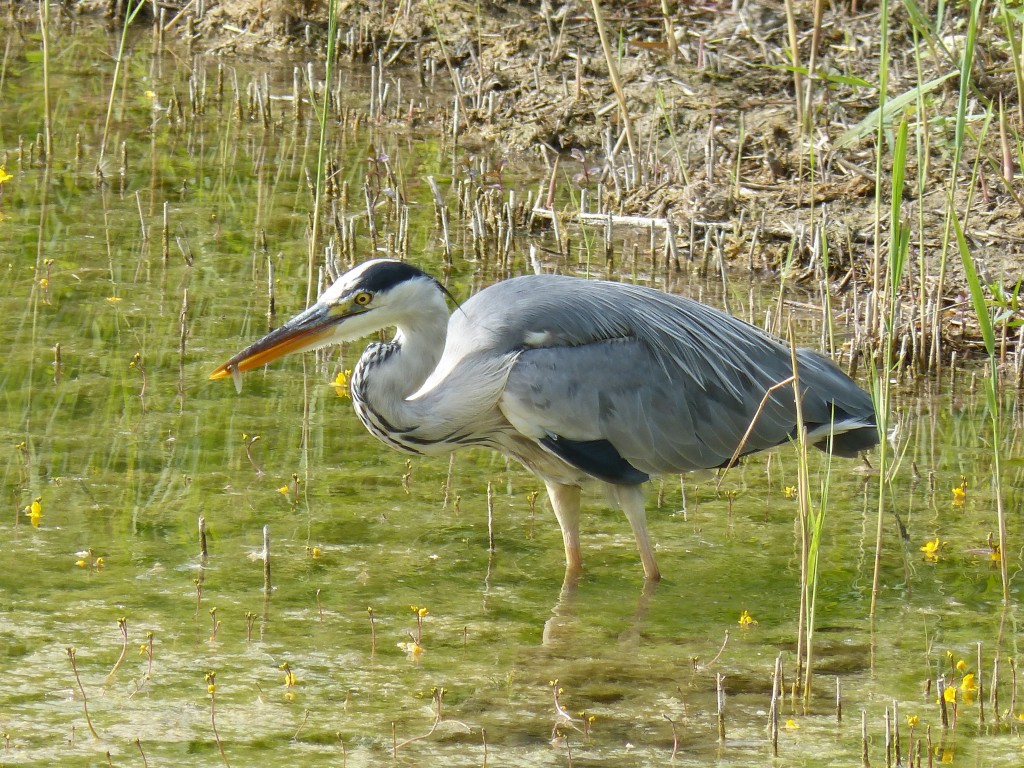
column 848, row 436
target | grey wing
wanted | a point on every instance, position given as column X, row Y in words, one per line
column 623, row 381
column 582, row 401
column 678, row 394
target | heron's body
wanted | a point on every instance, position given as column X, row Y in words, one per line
column 576, row 379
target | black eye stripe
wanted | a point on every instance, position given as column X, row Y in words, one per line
column 387, row 274
column 384, row 275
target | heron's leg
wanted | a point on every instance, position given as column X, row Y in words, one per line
column 565, row 501
column 631, row 499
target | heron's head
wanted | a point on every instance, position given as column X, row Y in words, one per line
column 374, row 295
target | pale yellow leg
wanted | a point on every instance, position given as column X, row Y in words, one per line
column 565, row 501
column 631, row 499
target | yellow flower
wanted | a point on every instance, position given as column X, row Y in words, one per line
column 949, row 694
column 913, row 720
column 961, row 666
column 789, row 491
column 791, row 724
column 960, row 492
column 969, row 688
column 931, row 550
column 423, row 612
column 289, row 676
column 341, row 383
column 315, row 553
column 411, row 648
column 35, row 511
column 114, row 299
column 746, row 619
column 4, row 175
column 283, row 490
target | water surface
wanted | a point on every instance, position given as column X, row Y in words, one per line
column 112, row 328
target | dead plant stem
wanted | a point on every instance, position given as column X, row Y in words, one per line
column 620, row 94
column 81, row 689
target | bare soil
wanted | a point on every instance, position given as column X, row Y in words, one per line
column 718, row 141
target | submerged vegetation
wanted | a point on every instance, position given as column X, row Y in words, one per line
column 849, row 178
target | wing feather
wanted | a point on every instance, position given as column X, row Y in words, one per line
column 671, row 383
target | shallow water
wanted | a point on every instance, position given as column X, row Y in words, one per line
column 125, row 454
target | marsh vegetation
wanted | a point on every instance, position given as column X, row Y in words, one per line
column 165, row 200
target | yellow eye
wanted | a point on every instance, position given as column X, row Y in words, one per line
column 363, row 298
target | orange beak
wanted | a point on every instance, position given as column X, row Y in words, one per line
column 313, row 328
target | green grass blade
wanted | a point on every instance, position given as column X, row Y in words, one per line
column 890, row 108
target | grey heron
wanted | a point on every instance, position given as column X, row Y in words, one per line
column 576, row 379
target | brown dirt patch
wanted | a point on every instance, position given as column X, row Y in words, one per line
column 718, row 139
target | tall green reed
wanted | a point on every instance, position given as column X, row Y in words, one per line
column 322, row 114
column 44, row 34
column 812, row 527
column 133, row 11
column 882, row 319
column 978, row 300
column 899, row 246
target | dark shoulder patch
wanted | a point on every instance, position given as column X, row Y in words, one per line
column 388, row 274
column 598, row 458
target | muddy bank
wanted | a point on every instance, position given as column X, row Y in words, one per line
column 720, row 141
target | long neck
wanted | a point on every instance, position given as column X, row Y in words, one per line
column 387, row 374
